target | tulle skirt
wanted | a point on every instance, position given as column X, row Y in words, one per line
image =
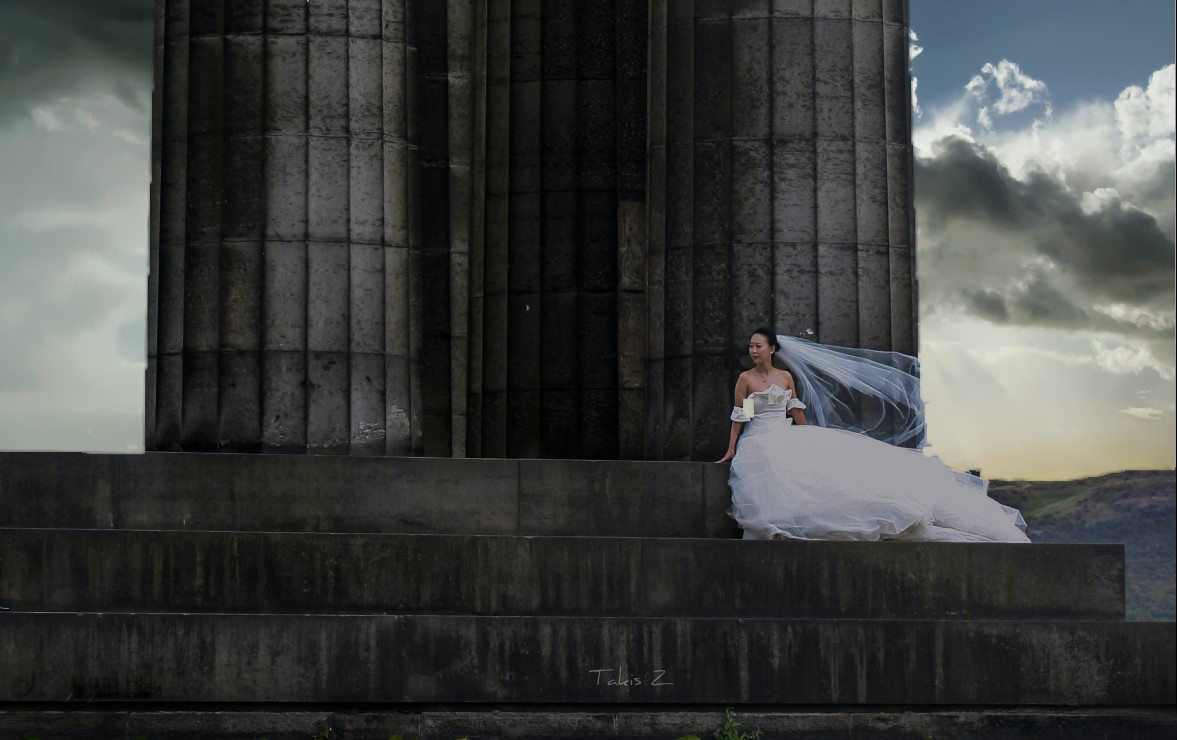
column 816, row 483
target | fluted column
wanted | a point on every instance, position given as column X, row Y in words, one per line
column 631, row 112
column 449, row 33
column 476, row 334
column 563, row 300
column 524, row 185
column 780, row 169
column 488, row 432
column 282, row 308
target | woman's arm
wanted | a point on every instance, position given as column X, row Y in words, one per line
column 737, row 426
column 797, row 414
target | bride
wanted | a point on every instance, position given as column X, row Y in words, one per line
column 856, row 473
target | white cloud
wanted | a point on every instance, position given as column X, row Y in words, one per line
column 54, row 217
column 46, row 119
column 1147, row 114
column 985, row 119
column 128, row 136
column 1018, row 89
column 68, row 112
column 1144, row 412
column 1138, row 316
column 86, row 119
column 977, row 86
column 1099, row 199
column 914, row 50
column 1129, row 358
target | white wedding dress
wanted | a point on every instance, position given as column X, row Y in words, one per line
column 817, row 483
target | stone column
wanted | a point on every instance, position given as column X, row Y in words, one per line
column 524, row 186
column 631, row 127
column 562, row 238
column 487, row 432
column 449, row 34
column 284, row 302
column 780, row 170
column 480, row 70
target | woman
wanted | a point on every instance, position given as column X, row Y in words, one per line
column 845, row 477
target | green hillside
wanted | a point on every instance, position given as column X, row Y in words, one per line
column 1137, row 508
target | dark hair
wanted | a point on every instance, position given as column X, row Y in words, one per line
column 770, row 335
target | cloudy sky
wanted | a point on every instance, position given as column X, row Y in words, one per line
column 1044, row 193
column 1045, row 207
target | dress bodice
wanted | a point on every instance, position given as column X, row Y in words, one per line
column 774, row 402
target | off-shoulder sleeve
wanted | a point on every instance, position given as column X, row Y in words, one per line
column 739, row 415
column 794, row 403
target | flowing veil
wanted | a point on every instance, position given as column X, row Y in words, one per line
column 871, row 392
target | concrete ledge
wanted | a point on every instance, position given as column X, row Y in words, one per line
column 545, row 722
column 130, row 570
column 409, row 495
column 56, row 657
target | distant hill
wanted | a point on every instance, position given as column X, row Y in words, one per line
column 1135, row 507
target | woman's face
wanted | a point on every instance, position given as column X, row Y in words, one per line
column 758, row 347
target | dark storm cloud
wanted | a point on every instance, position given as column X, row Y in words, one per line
column 1157, row 190
column 988, row 305
column 962, row 181
column 1118, row 254
column 55, row 48
column 1040, row 303
column 1027, row 253
column 1033, row 302
column 1116, row 250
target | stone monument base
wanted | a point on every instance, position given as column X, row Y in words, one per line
column 287, row 596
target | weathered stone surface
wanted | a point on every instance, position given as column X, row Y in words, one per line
column 512, row 142
column 315, row 658
column 58, row 489
column 281, row 493
column 118, row 570
column 503, row 721
column 624, row 498
column 262, row 492
column 796, row 136
column 519, row 619
column 270, row 126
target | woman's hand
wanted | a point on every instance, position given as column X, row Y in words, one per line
column 731, row 452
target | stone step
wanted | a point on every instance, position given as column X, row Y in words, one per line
column 541, row 722
column 302, row 493
column 59, row 657
column 130, row 570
